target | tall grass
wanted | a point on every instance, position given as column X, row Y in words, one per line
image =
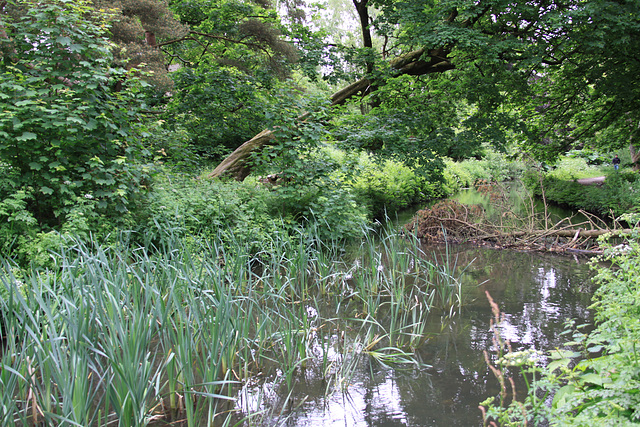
column 132, row 335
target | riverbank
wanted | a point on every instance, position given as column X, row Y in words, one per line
column 592, row 379
column 506, row 216
column 609, row 198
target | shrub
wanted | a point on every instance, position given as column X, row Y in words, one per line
column 569, row 168
column 493, row 168
column 64, row 131
column 27, row 241
column 332, row 206
column 386, row 185
column 203, row 207
column 619, row 194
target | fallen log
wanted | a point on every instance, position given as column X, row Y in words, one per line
column 575, row 233
column 415, row 63
column 236, row 163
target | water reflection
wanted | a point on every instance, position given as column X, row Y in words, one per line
column 537, row 292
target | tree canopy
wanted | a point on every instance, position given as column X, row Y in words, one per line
column 549, row 75
column 430, row 78
column 561, row 74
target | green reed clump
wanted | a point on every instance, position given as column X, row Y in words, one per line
column 124, row 334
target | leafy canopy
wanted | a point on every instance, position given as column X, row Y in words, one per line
column 560, row 74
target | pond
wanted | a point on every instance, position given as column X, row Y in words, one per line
column 296, row 333
column 537, row 292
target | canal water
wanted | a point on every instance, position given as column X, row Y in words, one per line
column 536, row 292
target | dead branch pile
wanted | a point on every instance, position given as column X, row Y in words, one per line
column 449, row 221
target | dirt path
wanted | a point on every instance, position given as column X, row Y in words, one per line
column 590, row 181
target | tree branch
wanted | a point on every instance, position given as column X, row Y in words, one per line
column 213, row 36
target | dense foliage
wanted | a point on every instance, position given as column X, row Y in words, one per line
column 619, row 193
column 559, row 63
column 66, row 133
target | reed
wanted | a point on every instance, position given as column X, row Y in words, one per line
column 126, row 334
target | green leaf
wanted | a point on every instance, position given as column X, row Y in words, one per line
column 35, row 166
column 27, row 136
column 562, row 394
column 563, row 354
column 76, row 48
column 63, row 40
column 561, row 363
column 91, row 124
column 594, row 379
column 46, row 190
column 75, row 119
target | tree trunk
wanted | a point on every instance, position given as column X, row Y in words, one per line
column 367, row 41
column 150, row 38
column 635, row 157
column 236, row 164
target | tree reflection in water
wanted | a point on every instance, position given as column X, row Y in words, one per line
column 537, row 293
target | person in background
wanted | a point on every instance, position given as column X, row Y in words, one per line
column 616, row 162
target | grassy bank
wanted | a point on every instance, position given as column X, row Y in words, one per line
column 619, row 194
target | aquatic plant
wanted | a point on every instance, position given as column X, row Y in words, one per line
column 129, row 335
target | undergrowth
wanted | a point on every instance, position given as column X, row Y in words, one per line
column 619, row 194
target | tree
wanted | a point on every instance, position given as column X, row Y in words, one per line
column 137, row 28
column 230, row 63
column 551, row 71
column 65, row 133
column 562, row 74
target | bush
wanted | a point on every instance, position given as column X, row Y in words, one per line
column 493, row 168
column 27, row 241
column 64, row 131
column 332, row 206
column 193, row 206
column 387, row 186
column 569, row 168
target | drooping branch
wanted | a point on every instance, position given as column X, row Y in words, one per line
column 410, row 63
column 191, row 33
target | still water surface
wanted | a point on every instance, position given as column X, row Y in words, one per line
column 537, row 292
